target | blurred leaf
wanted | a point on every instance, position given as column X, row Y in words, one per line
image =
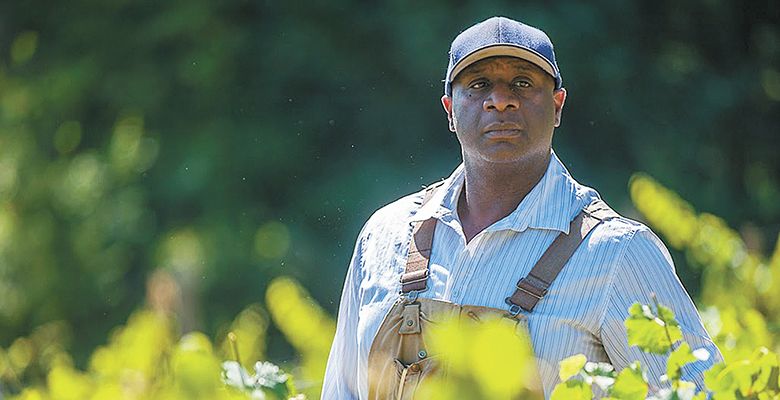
column 572, row 390
column 571, row 366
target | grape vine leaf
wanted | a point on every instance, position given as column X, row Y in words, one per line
column 650, row 332
column 680, row 356
column 630, row 384
column 571, row 366
column 572, row 390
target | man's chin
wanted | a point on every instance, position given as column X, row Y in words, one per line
column 510, row 156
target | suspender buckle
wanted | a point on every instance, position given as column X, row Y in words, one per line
column 514, row 309
column 527, row 287
column 410, row 296
column 414, row 277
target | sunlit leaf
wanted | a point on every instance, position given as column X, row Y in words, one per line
column 572, row 390
column 630, row 384
column 649, row 332
column 571, row 366
column 680, row 356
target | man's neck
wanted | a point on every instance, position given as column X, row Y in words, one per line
column 492, row 191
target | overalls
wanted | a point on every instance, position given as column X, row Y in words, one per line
column 398, row 360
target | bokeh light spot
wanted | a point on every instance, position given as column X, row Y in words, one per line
column 23, row 47
column 770, row 80
column 183, row 252
column 272, row 240
column 67, row 137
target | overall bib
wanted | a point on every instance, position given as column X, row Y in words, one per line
column 399, row 361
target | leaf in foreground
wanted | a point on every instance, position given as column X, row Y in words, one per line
column 630, row 384
column 572, row 390
column 649, row 332
column 571, row 366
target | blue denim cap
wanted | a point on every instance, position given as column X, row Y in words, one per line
column 500, row 36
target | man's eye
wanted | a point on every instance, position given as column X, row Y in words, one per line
column 522, row 84
column 478, row 85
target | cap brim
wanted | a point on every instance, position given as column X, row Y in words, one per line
column 503, row 50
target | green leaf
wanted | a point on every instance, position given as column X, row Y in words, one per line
column 700, row 396
column 667, row 316
column 572, row 390
column 766, row 362
column 649, row 332
column 679, row 357
column 648, row 335
column 738, row 376
column 713, row 379
column 630, row 384
column 571, row 366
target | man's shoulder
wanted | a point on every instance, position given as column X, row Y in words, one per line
column 396, row 213
column 621, row 228
column 632, row 235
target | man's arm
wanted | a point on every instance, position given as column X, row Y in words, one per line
column 646, row 267
column 341, row 375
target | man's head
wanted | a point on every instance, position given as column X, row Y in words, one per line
column 503, row 94
column 500, row 36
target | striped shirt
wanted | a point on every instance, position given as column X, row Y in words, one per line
column 620, row 262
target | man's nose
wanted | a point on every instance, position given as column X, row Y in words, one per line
column 501, row 98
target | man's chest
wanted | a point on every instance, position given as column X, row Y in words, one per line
column 483, row 273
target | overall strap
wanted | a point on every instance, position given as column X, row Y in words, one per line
column 530, row 289
column 415, row 277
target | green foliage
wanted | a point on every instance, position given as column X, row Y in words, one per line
column 630, row 384
column 738, row 283
column 652, row 331
column 754, row 378
column 572, row 390
column 471, row 351
column 146, row 359
column 571, row 366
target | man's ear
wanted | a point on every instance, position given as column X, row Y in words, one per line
column 559, row 97
column 446, row 102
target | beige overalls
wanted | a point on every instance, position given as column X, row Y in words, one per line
column 398, row 360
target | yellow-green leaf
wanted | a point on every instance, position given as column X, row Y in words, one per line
column 571, row 366
column 630, row 384
column 572, row 390
column 679, row 357
column 649, row 332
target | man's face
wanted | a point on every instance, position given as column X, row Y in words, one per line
column 504, row 109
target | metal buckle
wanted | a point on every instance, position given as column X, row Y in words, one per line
column 544, row 291
column 514, row 309
column 411, row 296
column 420, row 279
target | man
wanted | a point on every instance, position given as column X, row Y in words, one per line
column 491, row 222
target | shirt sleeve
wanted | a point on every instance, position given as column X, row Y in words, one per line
column 341, row 374
column 646, row 267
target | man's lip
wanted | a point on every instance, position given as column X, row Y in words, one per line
column 503, row 134
column 502, row 130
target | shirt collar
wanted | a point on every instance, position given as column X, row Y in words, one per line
column 551, row 204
